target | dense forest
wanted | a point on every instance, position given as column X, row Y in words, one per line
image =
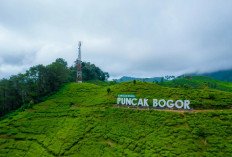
column 40, row 81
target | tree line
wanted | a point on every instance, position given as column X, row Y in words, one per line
column 41, row 81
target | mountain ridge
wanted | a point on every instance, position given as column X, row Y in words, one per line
column 128, row 78
column 221, row 75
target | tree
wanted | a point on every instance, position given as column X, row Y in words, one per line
column 107, row 76
column 108, row 90
column 62, row 61
column 40, row 81
column 206, row 86
column 167, row 77
column 91, row 72
column 134, row 81
column 162, row 80
column 186, row 86
column 57, row 75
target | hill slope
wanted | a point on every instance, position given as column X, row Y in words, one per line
column 126, row 78
column 81, row 120
column 222, row 75
column 198, row 82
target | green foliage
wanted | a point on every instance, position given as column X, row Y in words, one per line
column 134, row 81
column 126, row 79
column 41, row 81
column 186, row 86
column 89, row 72
column 101, row 83
column 114, row 132
column 81, row 120
column 199, row 82
column 91, row 95
column 162, row 81
column 108, row 90
column 223, row 75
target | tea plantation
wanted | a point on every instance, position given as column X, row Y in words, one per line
column 82, row 120
column 197, row 82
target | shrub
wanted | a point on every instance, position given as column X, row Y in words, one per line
column 108, row 90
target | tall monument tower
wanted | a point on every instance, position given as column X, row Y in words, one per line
column 79, row 71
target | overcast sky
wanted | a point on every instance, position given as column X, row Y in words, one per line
column 141, row 38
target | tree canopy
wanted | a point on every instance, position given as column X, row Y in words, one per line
column 40, row 81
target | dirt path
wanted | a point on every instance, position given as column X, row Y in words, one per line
column 171, row 110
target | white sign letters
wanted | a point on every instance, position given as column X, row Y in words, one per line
column 132, row 101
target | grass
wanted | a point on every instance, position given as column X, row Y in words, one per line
column 81, row 120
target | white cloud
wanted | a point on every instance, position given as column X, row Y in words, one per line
column 137, row 38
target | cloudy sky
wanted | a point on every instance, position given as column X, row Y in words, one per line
column 141, row 38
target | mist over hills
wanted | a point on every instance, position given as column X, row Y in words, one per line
column 127, row 78
column 199, row 82
column 222, row 75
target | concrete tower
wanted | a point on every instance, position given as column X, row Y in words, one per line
column 79, row 71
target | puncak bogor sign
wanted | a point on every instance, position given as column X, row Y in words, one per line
column 131, row 100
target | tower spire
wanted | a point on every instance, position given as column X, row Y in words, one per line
column 79, row 71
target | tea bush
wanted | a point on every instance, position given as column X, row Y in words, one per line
column 81, row 120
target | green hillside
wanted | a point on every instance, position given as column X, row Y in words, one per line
column 127, row 78
column 82, row 120
column 222, row 75
column 199, row 82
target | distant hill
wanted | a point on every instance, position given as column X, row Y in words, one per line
column 126, row 78
column 82, row 120
column 223, row 75
column 199, row 82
